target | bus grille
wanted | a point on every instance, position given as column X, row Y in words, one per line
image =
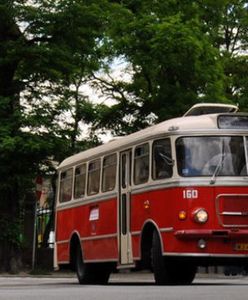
column 232, row 210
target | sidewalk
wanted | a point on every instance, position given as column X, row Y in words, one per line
column 42, row 274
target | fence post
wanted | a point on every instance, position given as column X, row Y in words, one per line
column 38, row 195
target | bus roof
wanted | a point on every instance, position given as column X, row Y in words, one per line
column 177, row 125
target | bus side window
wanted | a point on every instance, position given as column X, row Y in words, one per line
column 80, row 179
column 94, row 177
column 162, row 161
column 141, row 164
column 65, row 186
column 109, row 173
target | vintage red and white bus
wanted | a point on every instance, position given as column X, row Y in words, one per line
column 171, row 197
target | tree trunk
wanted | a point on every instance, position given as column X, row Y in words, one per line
column 10, row 256
column 9, row 128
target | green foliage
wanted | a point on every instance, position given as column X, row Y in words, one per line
column 10, row 231
column 45, row 48
column 226, row 23
column 180, row 53
column 174, row 63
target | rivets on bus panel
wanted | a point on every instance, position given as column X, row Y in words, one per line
column 202, row 244
column 182, row 215
column 147, row 204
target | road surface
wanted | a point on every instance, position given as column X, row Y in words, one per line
column 138, row 286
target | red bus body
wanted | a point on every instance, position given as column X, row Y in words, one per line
column 117, row 226
column 179, row 237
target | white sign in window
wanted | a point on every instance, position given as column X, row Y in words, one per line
column 94, row 214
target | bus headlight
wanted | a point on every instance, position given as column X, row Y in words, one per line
column 200, row 215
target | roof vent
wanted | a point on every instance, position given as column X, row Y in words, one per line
column 210, row 108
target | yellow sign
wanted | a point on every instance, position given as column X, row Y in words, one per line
column 241, row 247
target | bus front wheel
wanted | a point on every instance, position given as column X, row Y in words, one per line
column 97, row 273
column 169, row 273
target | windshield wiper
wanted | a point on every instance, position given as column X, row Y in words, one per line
column 219, row 165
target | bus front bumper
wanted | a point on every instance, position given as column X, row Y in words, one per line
column 231, row 234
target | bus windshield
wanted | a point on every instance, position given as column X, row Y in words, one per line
column 211, row 156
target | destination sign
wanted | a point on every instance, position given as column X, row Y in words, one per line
column 233, row 122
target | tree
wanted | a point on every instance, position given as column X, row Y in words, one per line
column 173, row 61
column 226, row 22
column 43, row 45
column 179, row 53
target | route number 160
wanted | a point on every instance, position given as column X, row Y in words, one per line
column 190, row 194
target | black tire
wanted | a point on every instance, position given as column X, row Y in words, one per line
column 160, row 273
column 97, row 273
column 169, row 272
column 82, row 270
column 102, row 272
column 183, row 273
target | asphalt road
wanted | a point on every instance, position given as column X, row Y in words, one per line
column 122, row 287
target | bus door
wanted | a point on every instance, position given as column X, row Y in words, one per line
column 125, row 247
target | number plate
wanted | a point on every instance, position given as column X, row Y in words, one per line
column 241, row 247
